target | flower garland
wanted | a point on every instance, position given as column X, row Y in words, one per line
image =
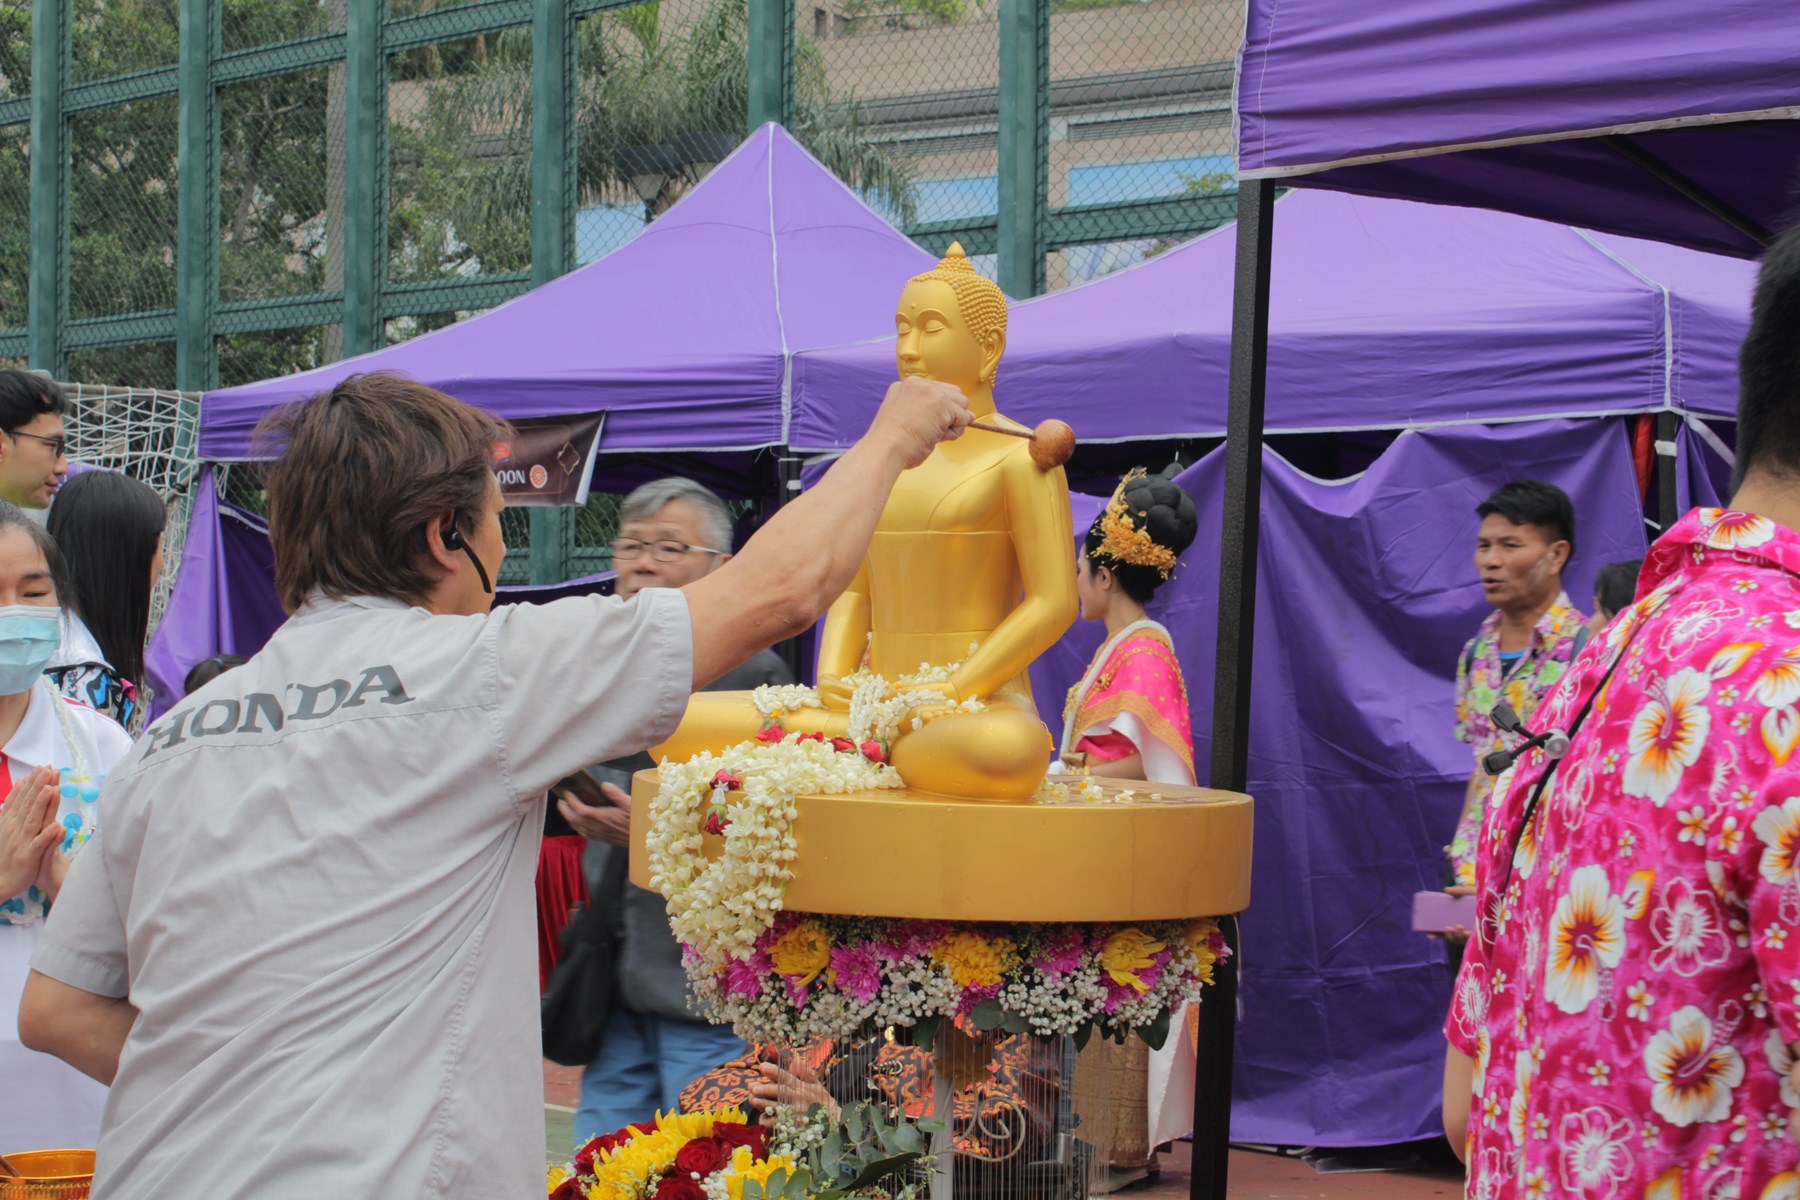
column 808, row 977
column 692, row 1156
column 723, row 906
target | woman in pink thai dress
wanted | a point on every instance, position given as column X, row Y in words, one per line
column 1128, row 718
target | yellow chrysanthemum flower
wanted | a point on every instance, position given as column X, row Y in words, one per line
column 625, row 1171
column 555, row 1179
column 744, row 1166
column 1126, row 953
column 1199, row 940
column 973, row 960
column 802, row 952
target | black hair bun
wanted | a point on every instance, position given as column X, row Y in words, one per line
column 1169, row 517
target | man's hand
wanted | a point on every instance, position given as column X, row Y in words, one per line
column 917, row 414
column 29, row 831
column 609, row 822
column 798, row 1088
column 1456, row 935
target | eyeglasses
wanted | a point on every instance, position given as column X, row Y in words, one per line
column 59, row 445
column 626, row 549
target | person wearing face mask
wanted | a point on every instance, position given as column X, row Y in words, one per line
column 671, row 532
column 1526, row 538
column 34, row 447
column 46, row 817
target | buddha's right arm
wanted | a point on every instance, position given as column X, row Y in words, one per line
column 846, row 634
column 810, row 551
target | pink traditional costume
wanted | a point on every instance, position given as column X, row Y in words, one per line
column 1132, row 700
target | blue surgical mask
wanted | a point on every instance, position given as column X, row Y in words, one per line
column 29, row 635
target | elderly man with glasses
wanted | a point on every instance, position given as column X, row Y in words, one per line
column 671, row 533
column 33, row 446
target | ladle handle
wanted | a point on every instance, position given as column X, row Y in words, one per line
column 1018, row 433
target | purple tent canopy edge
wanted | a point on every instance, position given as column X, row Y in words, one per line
column 683, row 334
column 1548, row 110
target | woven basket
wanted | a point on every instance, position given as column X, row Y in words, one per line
column 49, row 1175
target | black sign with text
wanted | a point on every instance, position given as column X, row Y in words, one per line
column 550, row 460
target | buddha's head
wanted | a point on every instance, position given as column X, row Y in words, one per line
column 951, row 324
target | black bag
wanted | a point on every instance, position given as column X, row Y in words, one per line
column 579, row 994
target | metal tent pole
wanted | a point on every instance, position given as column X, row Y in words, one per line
column 1237, row 620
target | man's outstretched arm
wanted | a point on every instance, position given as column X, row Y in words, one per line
column 85, row 1030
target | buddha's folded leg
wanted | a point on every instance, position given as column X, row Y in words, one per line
column 715, row 720
column 1000, row 754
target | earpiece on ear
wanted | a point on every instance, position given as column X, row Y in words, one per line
column 453, row 538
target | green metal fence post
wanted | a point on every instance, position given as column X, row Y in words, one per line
column 552, row 221
column 771, row 32
column 365, row 112
column 1024, row 144
column 47, row 290
column 196, row 235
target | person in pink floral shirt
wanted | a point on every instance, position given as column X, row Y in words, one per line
column 1625, row 1017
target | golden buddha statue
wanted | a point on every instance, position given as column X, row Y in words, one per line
column 974, row 547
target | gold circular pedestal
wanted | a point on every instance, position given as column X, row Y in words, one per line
column 1184, row 853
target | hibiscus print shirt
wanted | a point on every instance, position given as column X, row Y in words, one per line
column 1633, row 983
column 1482, row 682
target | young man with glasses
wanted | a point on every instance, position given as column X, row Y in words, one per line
column 33, row 445
column 671, row 533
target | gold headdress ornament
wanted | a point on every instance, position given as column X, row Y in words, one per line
column 1123, row 541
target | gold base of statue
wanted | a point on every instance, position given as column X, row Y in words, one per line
column 1162, row 853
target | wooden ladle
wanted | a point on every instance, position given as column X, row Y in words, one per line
column 1052, row 442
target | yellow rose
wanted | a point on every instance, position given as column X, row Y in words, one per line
column 801, row 953
column 972, row 960
column 1127, row 952
column 1199, row 940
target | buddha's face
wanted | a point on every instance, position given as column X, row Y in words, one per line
column 935, row 341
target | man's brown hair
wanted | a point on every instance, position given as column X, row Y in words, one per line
column 362, row 467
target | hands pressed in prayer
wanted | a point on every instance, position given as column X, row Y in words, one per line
column 1457, row 934
column 602, row 814
column 29, row 833
column 798, row 1087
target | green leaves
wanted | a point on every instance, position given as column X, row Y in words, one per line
column 861, row 1150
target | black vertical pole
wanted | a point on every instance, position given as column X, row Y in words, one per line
column 1237, row 620
column 1668, row 504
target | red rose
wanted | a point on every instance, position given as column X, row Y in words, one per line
column 568, row 1189
column 727, row 778
column 874, row 751
column 588, row 1155
column 679, row 1187
column 771, row 732
column 815, row 736
column 842, row 745
column 703, row 1156
column 716, row 822
column 753, row 1136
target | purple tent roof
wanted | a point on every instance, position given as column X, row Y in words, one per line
column 683, row 334
column 1386, row 314
column 1510, row 103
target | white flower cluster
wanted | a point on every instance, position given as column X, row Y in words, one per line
column 719, row 908
column 774, row 699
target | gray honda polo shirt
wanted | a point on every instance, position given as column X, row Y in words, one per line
column 315, row 882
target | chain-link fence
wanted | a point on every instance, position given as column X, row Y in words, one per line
column 232, row 190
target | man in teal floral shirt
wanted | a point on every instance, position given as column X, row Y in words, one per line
column 1526, row 537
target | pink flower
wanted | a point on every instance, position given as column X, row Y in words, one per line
column 771, row 731
column 744, row 976
column 973, row 996
column 796, row 991
column 1062, row 954
column 856, row 970
column 914, row 939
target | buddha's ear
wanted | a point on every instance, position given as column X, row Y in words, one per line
column 991, row 350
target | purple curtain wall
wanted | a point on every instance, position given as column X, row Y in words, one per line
column 1366, row 594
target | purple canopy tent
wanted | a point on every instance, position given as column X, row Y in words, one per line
column 1657, row 118
column 1518, row 346
column 1394, row 315
column 684, row 335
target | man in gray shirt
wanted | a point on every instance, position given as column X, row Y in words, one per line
column 303, row 951
column 671, row 532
